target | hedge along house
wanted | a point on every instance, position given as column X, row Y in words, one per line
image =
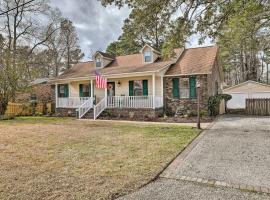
column 139, row 85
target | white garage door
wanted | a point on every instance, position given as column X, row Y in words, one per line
column 260, row 95
column 238, row 101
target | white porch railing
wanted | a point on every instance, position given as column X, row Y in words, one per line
column 158, row 102
column 100, row 107
column 85, row 107
column 70, row 102
column 134, row 102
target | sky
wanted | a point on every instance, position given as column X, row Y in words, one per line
column 98, row 26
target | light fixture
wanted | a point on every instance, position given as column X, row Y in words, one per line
column 119, row 83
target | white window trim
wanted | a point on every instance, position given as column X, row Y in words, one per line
column 181, row 89
column 151, row 54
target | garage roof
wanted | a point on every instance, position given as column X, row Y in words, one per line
column 247, row 86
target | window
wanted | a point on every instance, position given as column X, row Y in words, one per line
column 147, row 56
column 63, row 90
column 98, row 62
column 138, row 88
column 184, row 88
column 85, row 90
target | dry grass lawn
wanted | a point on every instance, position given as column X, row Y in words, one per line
column 56, row 158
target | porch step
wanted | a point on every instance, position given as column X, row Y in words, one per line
column 89, row 114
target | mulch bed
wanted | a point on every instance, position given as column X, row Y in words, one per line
column 162, row 119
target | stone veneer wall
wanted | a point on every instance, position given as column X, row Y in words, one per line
column 174, row 106
column 132, row 113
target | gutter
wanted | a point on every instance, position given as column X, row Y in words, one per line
column 188, row 74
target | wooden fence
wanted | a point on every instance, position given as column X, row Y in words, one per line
column 20, row 109
column 258, row 107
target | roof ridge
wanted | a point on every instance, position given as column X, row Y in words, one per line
column 85, row 61
column 215, row 45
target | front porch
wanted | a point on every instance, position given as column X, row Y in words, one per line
column 145, row 92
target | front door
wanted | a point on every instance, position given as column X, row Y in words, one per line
column 111, row 89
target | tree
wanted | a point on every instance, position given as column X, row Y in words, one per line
column 26, row 45
column 147, row 23
column 70, row 42
column 238, row 26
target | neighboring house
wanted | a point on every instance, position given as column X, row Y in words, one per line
column 140, row 85
column 245, row 90
column 38, row 90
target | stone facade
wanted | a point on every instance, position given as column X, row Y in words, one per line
column 183, row 106
column 65, row 112
column 132, row 113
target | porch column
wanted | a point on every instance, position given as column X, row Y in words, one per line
column 56, row 95
column 161, row 88
column 154, row 89
column 92, row 89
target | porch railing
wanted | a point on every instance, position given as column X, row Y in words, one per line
column 85, row 107
column 100, row 107
column 70, row 102
column 134, row 102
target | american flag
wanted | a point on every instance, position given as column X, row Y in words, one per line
column 100, row 81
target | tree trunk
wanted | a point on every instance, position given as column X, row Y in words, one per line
column 3, row 106
column 267, row 74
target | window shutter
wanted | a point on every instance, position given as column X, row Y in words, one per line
column 145, row 87
column 175, row 88
column 58, row 90
column 66, row 92
column 81, row 90
column 131, row 88
column 192, row 87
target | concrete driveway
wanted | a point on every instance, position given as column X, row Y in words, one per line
column 225, row 162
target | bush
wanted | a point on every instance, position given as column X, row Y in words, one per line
column 226, row 97
column 213, row 105
column 194, row 113
column 203, row 113
column 214, row 101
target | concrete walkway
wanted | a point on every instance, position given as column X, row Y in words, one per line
column 231, row 160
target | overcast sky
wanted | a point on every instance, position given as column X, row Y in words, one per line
column 96, row 26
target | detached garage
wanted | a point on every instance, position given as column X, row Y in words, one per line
column 246, row 90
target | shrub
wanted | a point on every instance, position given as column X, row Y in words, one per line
column 214, row 101
column 213, row 104
column 226, row 97
column 203, row 113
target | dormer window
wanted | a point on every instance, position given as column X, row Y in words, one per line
column 147, row 56
column 98, row 62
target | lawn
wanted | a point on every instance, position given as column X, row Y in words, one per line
column 57, row 158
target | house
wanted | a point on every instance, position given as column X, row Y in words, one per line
column 140, row 85
column 246, row 90
column 39, row 90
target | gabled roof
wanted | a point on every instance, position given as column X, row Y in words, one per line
column 247, row 83
column 186, row 61
column 106, row 55
column 149, row 46
column 39, row 81
column 195, row 61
